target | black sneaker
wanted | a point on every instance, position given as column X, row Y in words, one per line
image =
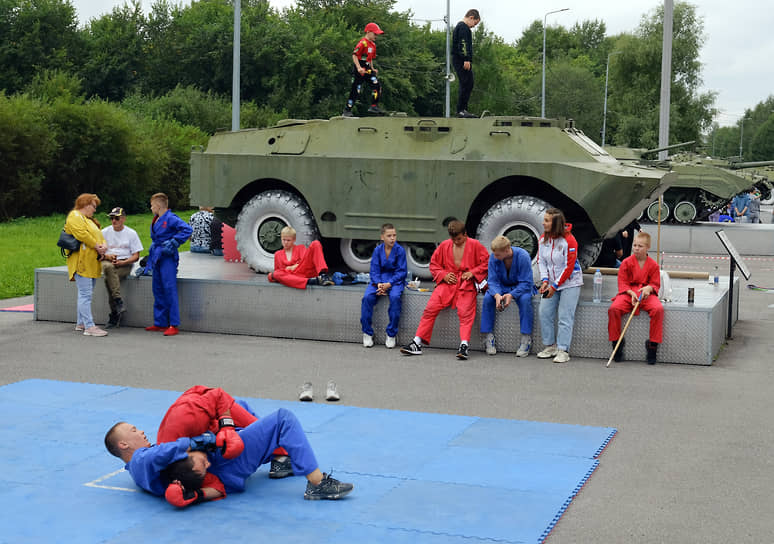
column 120, row 307
column 412, row 349
column 280, row 467
column 465, row 114
column 375, row 110
column 113, row 320
column 619, row 355
column 651, row 348
column 325, row 279
column 329, row 488
column 462, row 353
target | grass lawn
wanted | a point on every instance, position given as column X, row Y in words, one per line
column 30, row 243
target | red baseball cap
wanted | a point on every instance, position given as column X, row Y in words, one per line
column 373, row 27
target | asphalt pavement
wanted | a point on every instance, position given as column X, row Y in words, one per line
column 691, row 461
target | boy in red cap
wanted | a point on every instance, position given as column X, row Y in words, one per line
column 364, row 71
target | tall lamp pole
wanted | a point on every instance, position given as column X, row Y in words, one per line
column 448, row 54
column 604, row 109
column 235, row 100
column 741, row 136
column 543, row 95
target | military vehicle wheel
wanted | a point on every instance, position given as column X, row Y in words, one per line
column 685, row 212
column 356, row 254
column 418, row 259
column 518, row 218
column 652, row 211
column 261, row 220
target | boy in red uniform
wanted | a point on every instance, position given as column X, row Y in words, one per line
column 364, row 71
column 638, row 275
column 297, row 265
column 457, row 265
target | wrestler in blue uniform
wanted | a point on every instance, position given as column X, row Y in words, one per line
column 261, row 438
column 391, row 270
column 167, row 232
column 517, row 281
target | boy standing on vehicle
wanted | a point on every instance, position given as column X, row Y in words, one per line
column 123, row 250
column 457, row 265
column 462, row 59
column 388, row 277
column 364, row 71
column 168, row 232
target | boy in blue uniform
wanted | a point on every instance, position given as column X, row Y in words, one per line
column 510, row 280
column 388, row 277
column 168, row 232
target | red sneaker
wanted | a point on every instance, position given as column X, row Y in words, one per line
column 171, row 331
column 154, row 328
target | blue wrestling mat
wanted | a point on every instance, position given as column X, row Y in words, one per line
column 419, row 478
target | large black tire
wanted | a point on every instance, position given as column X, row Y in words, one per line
column 520, row 219
column 418, row 259
column 261, row 220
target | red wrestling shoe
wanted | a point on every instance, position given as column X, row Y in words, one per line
column 154, row 328
column 171, row 331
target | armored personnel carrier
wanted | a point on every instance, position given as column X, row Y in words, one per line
column 703, row 185
column 343, row 178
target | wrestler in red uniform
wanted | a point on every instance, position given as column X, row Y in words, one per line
column 638, row 274
column 295, row 265
column 455, row 280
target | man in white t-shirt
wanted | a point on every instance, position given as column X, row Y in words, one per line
column 123, row 251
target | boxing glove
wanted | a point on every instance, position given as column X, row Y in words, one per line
column 176, row 495
column 228, row 440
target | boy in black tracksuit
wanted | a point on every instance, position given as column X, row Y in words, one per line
column 462, row 56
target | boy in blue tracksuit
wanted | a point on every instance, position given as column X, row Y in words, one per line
column 168, row 232
column 388, row 277
column 509, row 280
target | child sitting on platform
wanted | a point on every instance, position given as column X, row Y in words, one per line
column 638, row 274
column 297, row 265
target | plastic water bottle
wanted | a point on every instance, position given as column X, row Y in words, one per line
column 598, row 286
column 716, row 278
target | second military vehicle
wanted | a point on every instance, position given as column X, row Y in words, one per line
column 343, row 178
column 703, row 185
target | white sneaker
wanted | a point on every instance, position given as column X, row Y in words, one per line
column 523, row 350
column 331, row 393
column 562, row 357
column 79, row 327
column 548, row 352
column 489, row 344
column 94, row 331
column 390, row 342
column 368, row 340
column 306, row 394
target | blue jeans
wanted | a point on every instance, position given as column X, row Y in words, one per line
column 566, row 300
column 85, row 290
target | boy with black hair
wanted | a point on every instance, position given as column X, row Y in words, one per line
column 462, row 59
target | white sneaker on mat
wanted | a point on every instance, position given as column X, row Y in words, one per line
column 390, row 342
column 306, row 394
column 94, row 331
column 548, row 352
column 331, row 392
column 562, row 357
column 368, row 340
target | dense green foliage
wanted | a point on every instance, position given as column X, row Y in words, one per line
column 110, row 106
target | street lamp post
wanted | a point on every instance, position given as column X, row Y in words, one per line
column 543, row 95
column 741, row 137
column 604, row 109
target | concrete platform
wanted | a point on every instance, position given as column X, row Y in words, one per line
column 226, row 297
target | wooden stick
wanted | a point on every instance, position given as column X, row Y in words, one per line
column 620, row 338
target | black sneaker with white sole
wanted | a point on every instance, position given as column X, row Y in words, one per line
column 280, row 467
column 412, row 349
column 330, row 488
column 462, row 353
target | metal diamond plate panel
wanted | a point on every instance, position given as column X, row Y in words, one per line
column 224, row 297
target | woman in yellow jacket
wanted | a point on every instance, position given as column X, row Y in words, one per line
column 83, row 266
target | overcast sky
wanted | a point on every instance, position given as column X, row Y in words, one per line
column 737, row 54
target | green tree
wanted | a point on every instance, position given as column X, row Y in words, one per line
column 634, row 88
column 36, row 35
column 762, row 147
